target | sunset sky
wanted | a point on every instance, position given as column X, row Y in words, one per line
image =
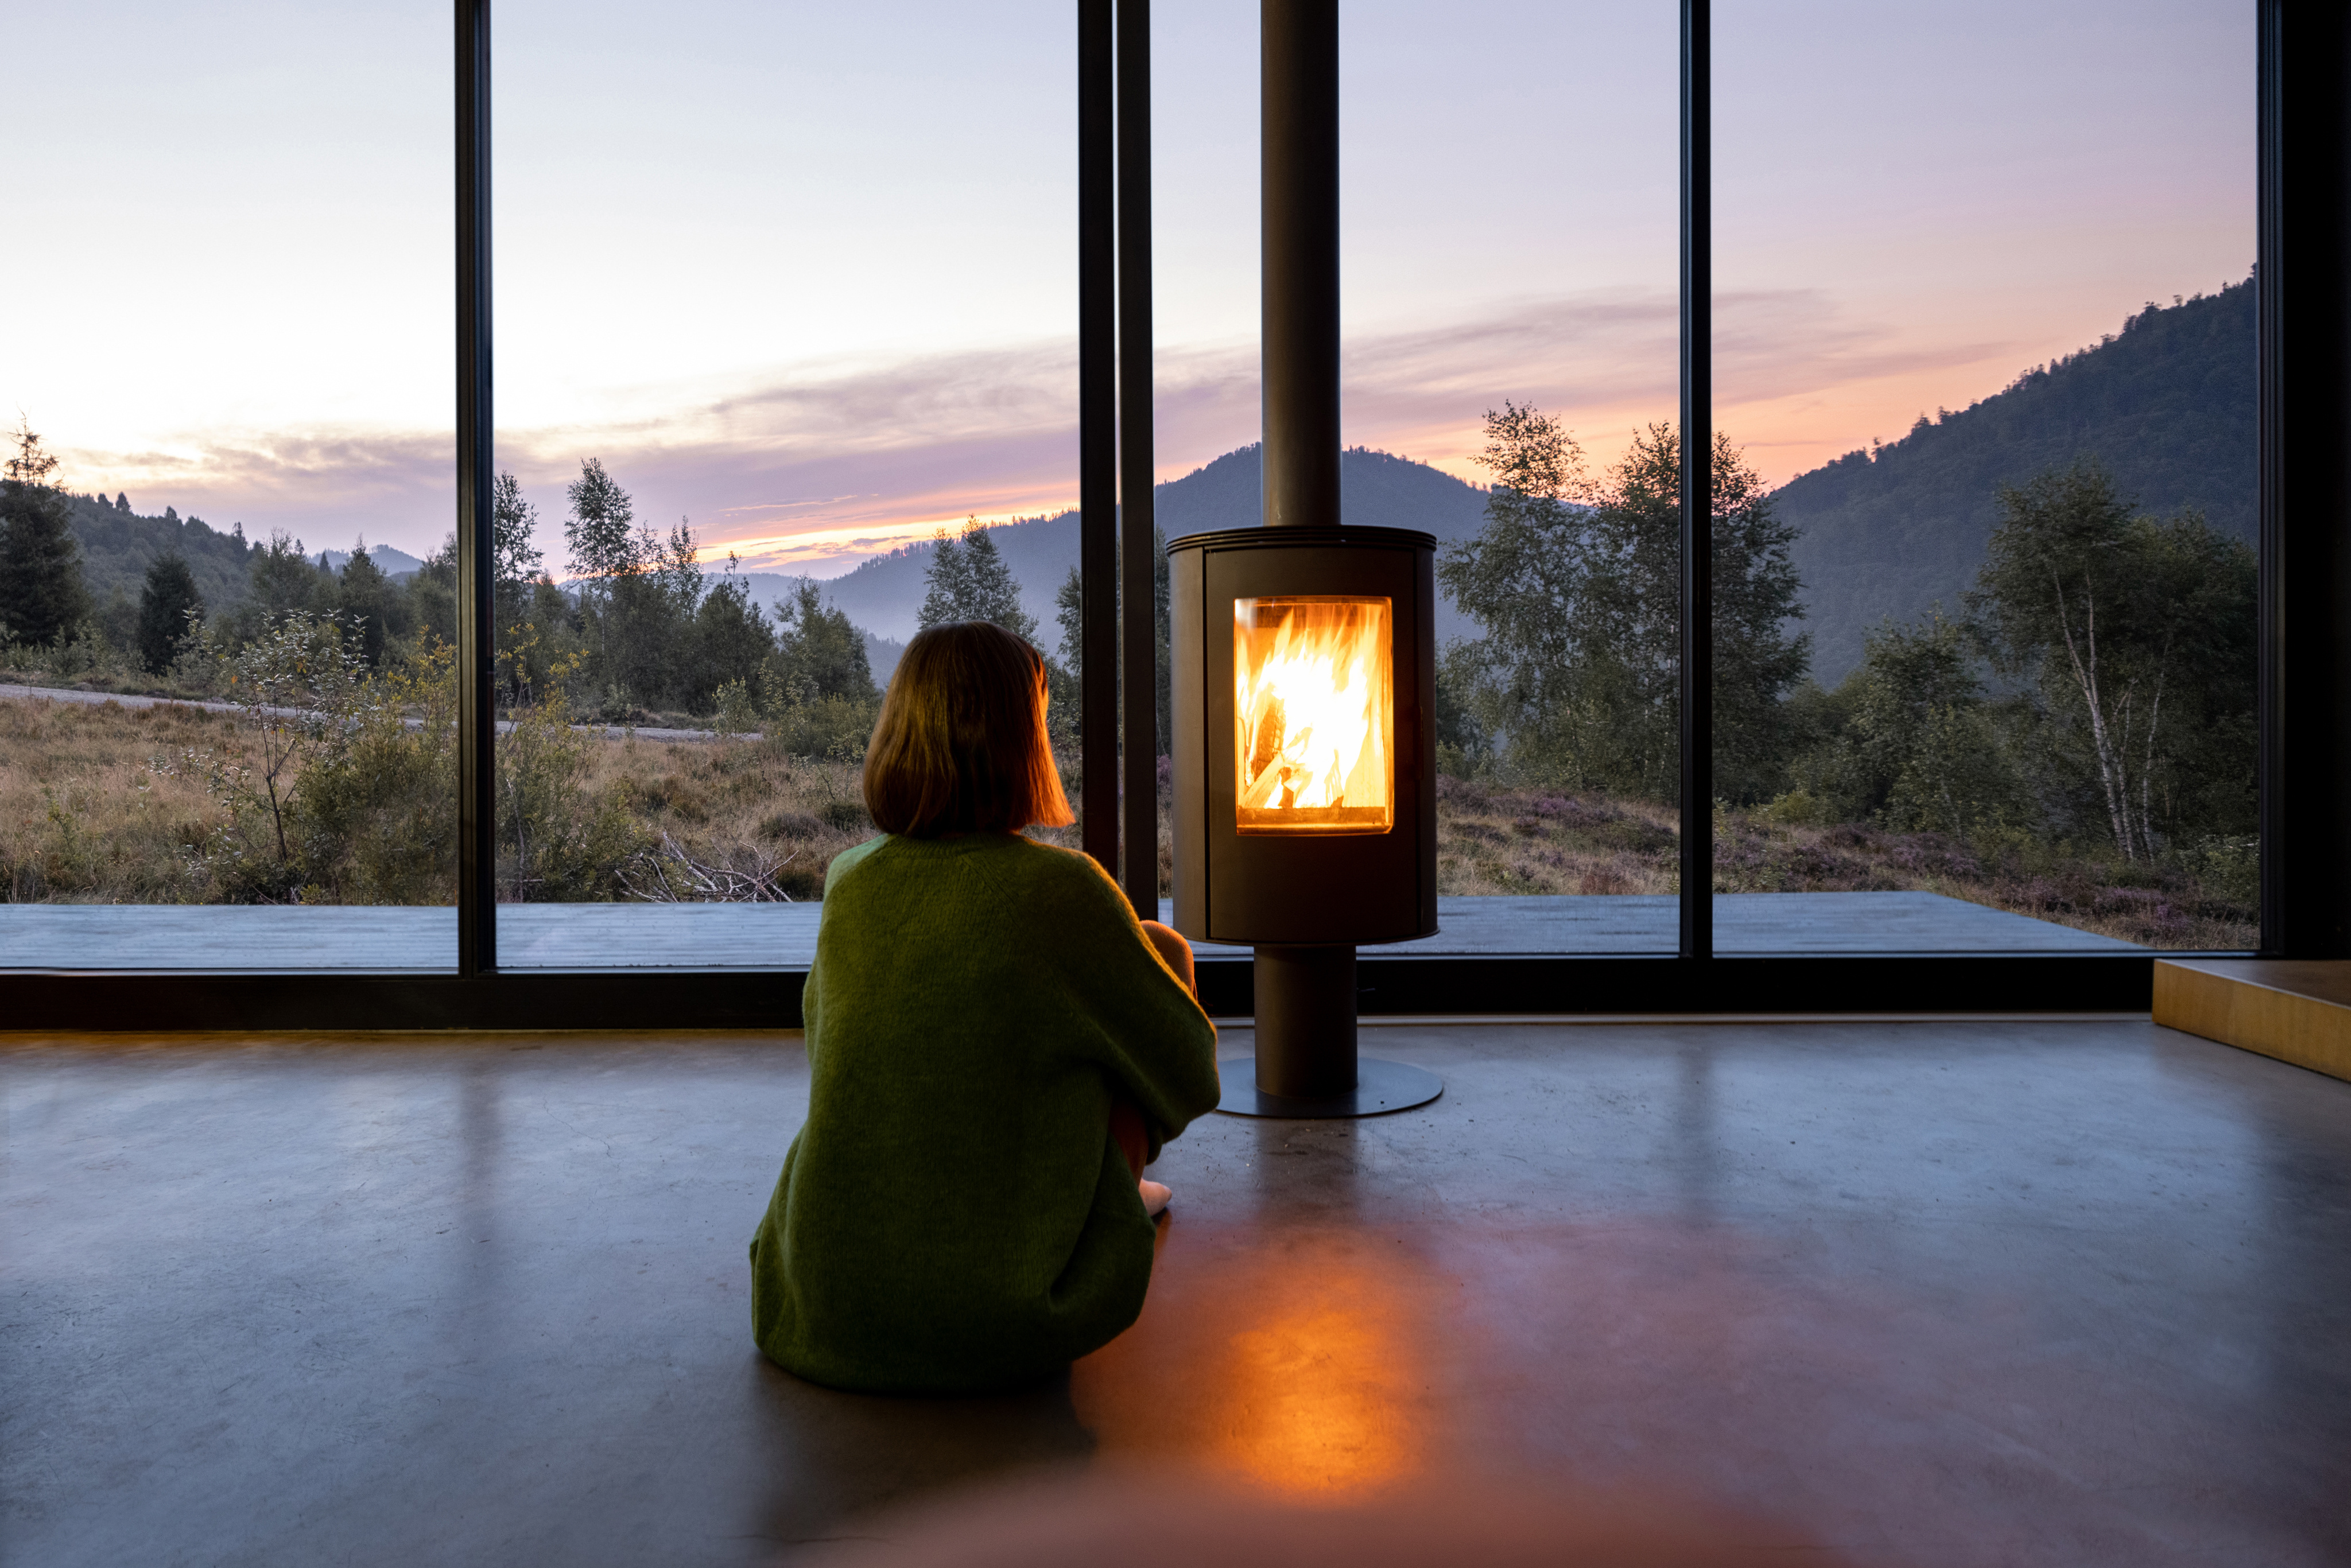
column 805, row 274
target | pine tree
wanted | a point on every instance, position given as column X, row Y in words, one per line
column 279, row 578
column 165, row 602
column 364, row 595
column 1069, row 613
column 994, row 596
column 42, row 598
column 946, row 584
column 967, row 580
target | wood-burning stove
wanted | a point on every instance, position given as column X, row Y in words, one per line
column 1304, row 664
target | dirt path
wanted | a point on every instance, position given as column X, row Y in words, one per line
column 128, row 699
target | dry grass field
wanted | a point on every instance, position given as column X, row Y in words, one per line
column 109, row 804
column 1497, row 840
column 99, row 805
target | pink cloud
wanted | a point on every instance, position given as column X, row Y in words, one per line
column 821, row 468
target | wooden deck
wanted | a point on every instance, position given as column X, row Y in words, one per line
column 579, row 937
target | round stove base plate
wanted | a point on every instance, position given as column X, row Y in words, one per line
column 1380, row 1087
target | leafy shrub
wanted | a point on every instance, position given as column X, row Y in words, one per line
column 561, row 838
column 833, row 728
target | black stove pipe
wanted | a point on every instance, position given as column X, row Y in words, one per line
column 1305, row 1004
column 1299, row 195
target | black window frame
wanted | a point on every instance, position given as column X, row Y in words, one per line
column 2303, row 279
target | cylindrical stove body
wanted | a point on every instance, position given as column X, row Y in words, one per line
column 1304, row 675
column 1261, row 881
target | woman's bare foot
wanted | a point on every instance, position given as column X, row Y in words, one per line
column 1154, row 1196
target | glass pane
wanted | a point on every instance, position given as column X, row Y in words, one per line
column 1509, row 315
column 1314, row 710
column 227, row 733
column 1984, row 342
column 782, row 297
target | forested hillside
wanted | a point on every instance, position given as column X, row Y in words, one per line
column 119, row 545
column 1376, row 489
column 2168, row 407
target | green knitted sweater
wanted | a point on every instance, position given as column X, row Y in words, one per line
column 953, row 1215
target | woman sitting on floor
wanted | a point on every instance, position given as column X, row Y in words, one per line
column 997, row 1047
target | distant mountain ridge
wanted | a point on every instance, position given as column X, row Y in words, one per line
column 389, row 560
column 2169, row 406
column 1376, row 489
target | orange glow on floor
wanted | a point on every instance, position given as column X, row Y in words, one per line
column 1307, row 1374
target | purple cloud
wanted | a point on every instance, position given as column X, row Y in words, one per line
column 863, row 455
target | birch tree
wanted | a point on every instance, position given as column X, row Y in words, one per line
column 1577, row 587
column 2133, row 628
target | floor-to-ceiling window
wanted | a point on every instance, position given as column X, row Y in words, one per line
column 1986, row 425
column 226, row 693
column 1508, row 234
column 787, row 370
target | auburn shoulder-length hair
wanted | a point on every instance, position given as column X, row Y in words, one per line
column 961, row 746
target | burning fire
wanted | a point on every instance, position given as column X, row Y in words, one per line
column 1314, row 709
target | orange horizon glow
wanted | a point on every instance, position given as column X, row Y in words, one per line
column 1790, row 404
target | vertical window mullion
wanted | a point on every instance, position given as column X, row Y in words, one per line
column 1097, row 433
column 476, row 773
column 1696, row 675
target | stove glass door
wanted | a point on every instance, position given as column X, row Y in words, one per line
column 1314, row 710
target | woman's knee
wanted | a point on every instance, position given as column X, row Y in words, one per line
column 1172, row 947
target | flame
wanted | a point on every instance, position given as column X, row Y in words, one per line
column 1314, row 707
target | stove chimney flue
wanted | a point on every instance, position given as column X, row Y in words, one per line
column 1299, row 221
column 1306, row 995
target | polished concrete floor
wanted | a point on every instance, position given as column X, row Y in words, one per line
column 1935, row 1293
